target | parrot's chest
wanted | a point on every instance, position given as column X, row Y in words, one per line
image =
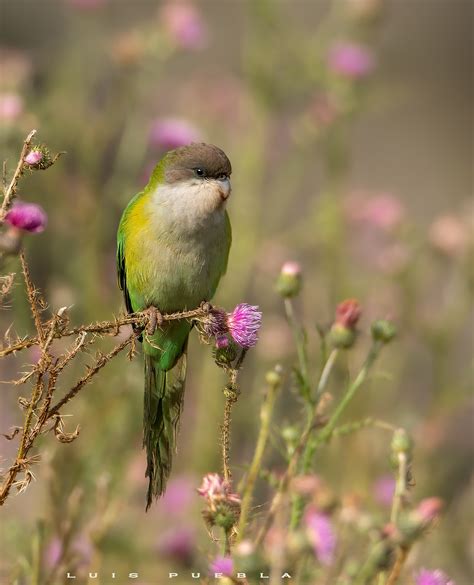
column 175, row 268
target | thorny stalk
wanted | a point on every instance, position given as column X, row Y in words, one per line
column 10, row 191
column 47, row 370
column 231, row 393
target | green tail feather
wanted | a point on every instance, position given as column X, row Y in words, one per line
column 164, row 393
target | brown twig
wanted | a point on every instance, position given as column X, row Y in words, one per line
column 10, row 191
column 101, row 328
column 47, row 371
column 99, row 364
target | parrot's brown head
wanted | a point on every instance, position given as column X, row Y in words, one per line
column 200, row 165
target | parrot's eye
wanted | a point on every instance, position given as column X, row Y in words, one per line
column 200, row 172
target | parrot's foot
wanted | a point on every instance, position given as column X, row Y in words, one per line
column 155, row 319
column 205, row 307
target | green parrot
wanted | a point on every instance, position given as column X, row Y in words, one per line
column 173, row 243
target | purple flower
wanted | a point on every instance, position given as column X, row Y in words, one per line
column 322, row 536
column 178, row 497
column 222, row 341
column 184, row 25
column 437, row 577
column 384, row 488
column 170, row 133
column 215, row 323
column 224, row 565
column 27, row 216
column 350, row 60
column 178, row 544
column 244, row 323
column 33, row 157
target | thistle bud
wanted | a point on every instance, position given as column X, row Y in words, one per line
column 39, row 157
column 383, row 331
column 342, row 337
column 273, row 377
column 343, row 332
column 414, row 524
column 289, row 281
column 290, row 435
column 224, row 354
column 402, row 443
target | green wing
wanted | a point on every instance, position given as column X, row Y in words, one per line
column 121, row 270
column 228, row 229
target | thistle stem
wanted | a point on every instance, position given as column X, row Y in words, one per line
column 402, row 556
column 400, row 487
column 325, row 434
column 300, row 345
column 298, row 501
column 247, row 486
column 323, row 380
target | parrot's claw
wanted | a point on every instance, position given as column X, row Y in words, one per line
column 206, row 307
column 155, row 319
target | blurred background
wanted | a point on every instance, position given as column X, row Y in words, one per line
column 349, row 128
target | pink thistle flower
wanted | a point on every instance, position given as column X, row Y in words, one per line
column 351, row 60
column 11, row 106
column 216, row 488
column 244, row 323
column 348, row 313
column 223, row 565
column 429, row 509
column 384, row 489
column 27, row 216
column 222, row 341
column 291, row 268
column 184, row 25
column 322, row 536
column 33, row 157
column 215, row 323
column 436, row 577
column 170, row 133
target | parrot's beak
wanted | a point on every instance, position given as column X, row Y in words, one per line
column 224, row 187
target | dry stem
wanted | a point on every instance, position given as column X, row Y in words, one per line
column 10, row 191
column 38, row 409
